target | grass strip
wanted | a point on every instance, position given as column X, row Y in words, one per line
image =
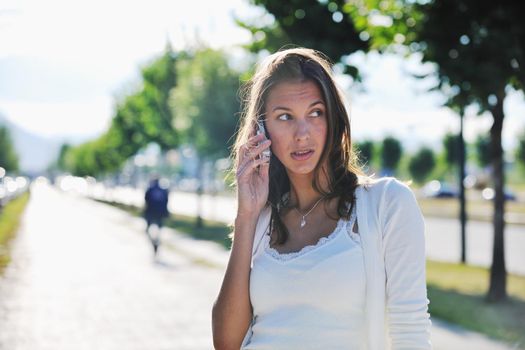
column 457, row 294
column 211, row 230
column 10, row 216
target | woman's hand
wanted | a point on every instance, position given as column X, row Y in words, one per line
column 232, row 312
column 252, row 177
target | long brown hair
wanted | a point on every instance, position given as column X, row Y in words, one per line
column 302, row 64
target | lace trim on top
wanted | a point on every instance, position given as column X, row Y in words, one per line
column 341, row 224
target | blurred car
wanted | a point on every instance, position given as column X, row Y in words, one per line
column 438, row 189
column 488, row 193
column 477, row 181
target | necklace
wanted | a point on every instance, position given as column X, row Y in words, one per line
column 303, row 216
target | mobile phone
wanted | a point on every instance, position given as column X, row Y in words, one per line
column 261, row 130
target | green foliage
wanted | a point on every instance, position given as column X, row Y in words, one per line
column 451, row 145
column 476, row 57
column 8, row 156
column 140, row 118
column 319, row 25
column 480, row 52
column 391, row 152
column 156, row 118
column 387, row 23
column 9, row 221
column 520, row 150
column 422, row 164
column 62, row 163
column 205, row 102
column 442, row 170
column 483, row 151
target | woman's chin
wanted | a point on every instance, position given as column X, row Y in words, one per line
column 301, row 170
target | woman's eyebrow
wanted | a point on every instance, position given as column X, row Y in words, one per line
column 288, row 109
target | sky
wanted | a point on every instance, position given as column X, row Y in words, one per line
column 63, row 62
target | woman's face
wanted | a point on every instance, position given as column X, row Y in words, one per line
column 296, row 122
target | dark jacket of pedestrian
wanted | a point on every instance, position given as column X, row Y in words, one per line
column 156, row 199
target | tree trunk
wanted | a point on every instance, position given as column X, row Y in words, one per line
column 462, row 205
column 498, row 274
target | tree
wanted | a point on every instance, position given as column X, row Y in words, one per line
column 483, row 150
column 319, row 25
column 8, row 156
column 206, row 106
column 62, row 162
column 477, row 58
column 156, row 115
column 205, row 103
column 455, row 157
column 391, row 152
column 422, row 164
column 141, row 117
column 451, row 144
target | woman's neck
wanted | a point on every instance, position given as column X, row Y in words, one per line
column 302, row 193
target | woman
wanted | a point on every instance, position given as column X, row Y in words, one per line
column 322, row 258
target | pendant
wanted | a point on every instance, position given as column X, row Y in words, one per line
column 303, row 222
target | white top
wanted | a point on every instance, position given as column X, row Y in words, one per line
column 311, row 299
column 391, row 228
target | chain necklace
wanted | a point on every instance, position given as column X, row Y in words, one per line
column 303, row 216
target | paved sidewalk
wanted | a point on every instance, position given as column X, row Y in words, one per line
column 83, row 277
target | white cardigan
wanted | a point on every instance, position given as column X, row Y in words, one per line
column 392, row 235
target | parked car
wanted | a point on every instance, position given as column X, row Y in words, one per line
column 438, row 189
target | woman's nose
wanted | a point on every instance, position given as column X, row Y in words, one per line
column 302, row 131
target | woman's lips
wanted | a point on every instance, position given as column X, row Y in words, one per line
column 302, row 155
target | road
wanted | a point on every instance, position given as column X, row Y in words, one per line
column 443, row 243
column 83, row 276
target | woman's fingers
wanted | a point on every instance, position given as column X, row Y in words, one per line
column 250, row 165
column 256, row 138
column 246, row 149
column 254, row 141
column 254, row 152
column 252, row 149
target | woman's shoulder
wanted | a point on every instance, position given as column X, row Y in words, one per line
column 384, row 188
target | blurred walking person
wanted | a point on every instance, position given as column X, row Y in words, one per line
column 155, row 211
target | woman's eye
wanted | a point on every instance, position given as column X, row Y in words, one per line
column 284, row 117
column 316, row 113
